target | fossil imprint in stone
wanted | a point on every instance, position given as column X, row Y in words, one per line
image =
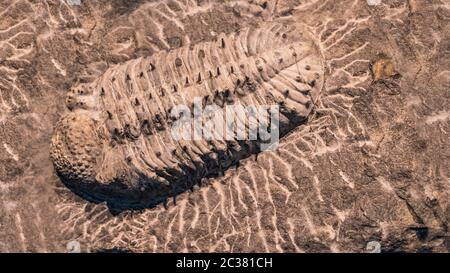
column 115, row 143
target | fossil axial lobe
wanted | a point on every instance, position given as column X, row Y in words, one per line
column 115, row 144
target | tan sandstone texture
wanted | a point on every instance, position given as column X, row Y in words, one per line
column 86, row 155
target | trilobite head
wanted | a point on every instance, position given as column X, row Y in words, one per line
column 76, row 148
column 92, row 166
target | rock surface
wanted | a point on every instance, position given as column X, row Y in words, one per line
column 371, row 166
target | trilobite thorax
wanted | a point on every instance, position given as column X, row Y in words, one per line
column 116, row 143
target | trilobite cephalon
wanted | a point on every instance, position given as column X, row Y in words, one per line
column 115, row 144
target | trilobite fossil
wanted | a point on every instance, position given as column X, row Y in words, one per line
column 115, row 143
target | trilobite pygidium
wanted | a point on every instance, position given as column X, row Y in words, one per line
column 115, row 144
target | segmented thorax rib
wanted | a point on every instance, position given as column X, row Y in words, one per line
column 126, row 116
